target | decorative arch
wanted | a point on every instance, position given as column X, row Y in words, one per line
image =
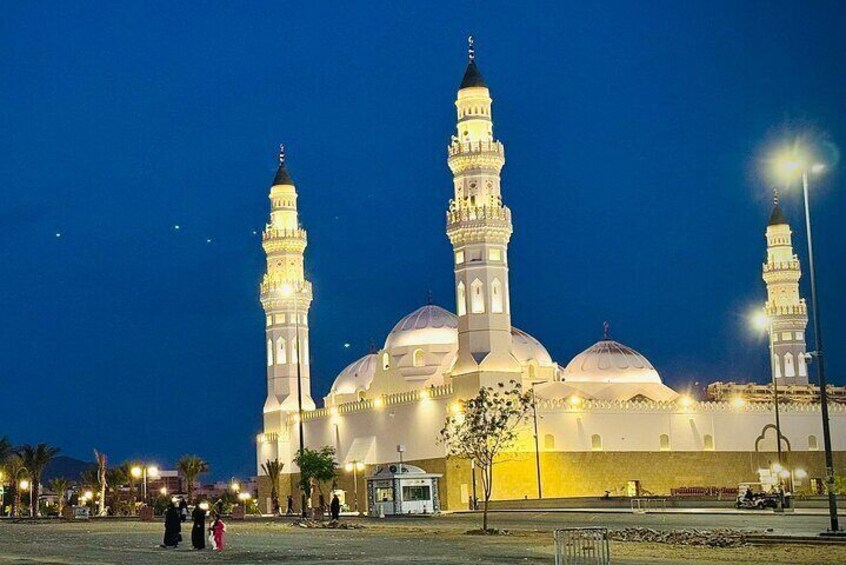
column 803, row 365
column 477, row 297
column 767, row 440
column 294, row 356
column 461, row 298
column 789, row 369
column 664, row 442
column 419, row 358
column 549, row 442
column 269, row 353
column 596, row 442
column 708, row 442
column 813, row 444
column 281, row 354
column 386, row 361
column 496, row 297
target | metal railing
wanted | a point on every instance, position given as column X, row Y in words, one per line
column 582, row 546
column 644, row 505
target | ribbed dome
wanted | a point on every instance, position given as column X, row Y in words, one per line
column 608, row 361
column 356, row 376
column 526, row 348
column 428, row 325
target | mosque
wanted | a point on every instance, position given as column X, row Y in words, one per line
column 606, row 423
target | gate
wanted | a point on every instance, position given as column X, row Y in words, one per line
column 582, row 546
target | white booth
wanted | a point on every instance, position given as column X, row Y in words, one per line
column 402, row 489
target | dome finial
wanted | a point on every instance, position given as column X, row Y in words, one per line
column 605, row 327
column 471, row 52
column 429, row 300
column 281, row 153
column 775, row 196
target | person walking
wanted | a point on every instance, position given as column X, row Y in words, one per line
column 183, row 509
column 173, row 527
column 216, row 532
column 198, row 530
column 335, row 507
column 290, row 510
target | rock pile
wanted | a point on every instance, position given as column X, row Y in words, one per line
column 332, row 525
column 710, row 538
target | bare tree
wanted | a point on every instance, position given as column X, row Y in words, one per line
column 486, row 427
column 101, row 480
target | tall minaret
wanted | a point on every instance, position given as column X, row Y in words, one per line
column 479, row 228
column 785, row 308
column 286, row 297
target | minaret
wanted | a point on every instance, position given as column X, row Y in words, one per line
column 479, row 228
column 285, row 297
column 785, row 308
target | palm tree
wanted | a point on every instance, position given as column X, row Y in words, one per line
column 273, row 469
column 35, row 459
column 60, row 486
column 116, row 478
column 101, row 480
column 14, row 469
column 191, row 467
column 6, row 450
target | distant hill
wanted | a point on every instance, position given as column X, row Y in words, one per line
column 67, row 467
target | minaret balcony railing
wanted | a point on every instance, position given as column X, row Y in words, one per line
column 461, row 148
column 792, row 265
column 458, row 214
column 282, row 233
column 788, row 310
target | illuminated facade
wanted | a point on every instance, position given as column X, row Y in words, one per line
column 604, row 418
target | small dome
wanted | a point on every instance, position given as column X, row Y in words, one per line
column 526, row 348
column 608, row 361
column 356, row 376
column 429, row 325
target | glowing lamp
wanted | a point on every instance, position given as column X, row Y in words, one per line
column 575, row 400
column 163, row 491
column 88, row 495
column 424, row 394
column 801, row 473
column 348, row 467
column 686, row 401
column 136, row 472
column 738, row 402
column 24, row 484
column 153, row 471
column 378, row 402
column 760, row 320
column 204, row 506
column 236, row 487
column 359, row 466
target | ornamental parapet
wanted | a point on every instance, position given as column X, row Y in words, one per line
column 792, row 265
column 275, row 289
column 461, row 148
column 269, row 437
column 407, row 397
column 800, row 309
column 282, row 233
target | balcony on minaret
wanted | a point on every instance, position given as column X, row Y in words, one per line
column 800, row 309
column 281, row 233
column 476, row 147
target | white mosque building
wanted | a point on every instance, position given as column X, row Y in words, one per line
column 606, row 421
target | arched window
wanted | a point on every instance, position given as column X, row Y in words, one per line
column 294, row 356
column 461, row 299
column 304, row 356
column 664, row 442
column 549, row 442
column 269, row 353
column 496, row 296
column 812, row 443
column 418, row 359
column 281, row 357
column 708, row 442
column 477, row 297
column 803, row 366
column 789, row 370
column 777, row 365
column 596, row 442
column 386, row 361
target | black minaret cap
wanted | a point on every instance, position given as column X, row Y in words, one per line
column 777, row 217
column 472, row 76
column 282, row 176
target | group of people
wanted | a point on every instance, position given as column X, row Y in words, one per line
column 173, row 526
column 334, row 507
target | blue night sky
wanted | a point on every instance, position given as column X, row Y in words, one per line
column 635, row 136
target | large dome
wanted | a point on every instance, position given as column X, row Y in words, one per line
column 526, row 348
column 429, row 325
column 356, row 376
column 608, row 361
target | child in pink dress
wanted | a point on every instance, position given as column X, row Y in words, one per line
column 216, row 531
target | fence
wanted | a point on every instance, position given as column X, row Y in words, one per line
column 643, row 505
column 582, row 546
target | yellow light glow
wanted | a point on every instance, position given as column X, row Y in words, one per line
column 136, row 472
column 236, row 486
column 286, row 290
column 348, row 467
column 801, row 473
column 760, row 320
column 204, row 506
column 333, row 411
column 163, row 491
column 686, row 401
column 359, row 466
column 88, row 495
column 244, row 496
column 777, row 468
column 784, row 474
column 153, row 471
column 575, row 400
column 378, row 402
column 455, row 408
column 424, row 394
column 24, row 484
column 738, row 402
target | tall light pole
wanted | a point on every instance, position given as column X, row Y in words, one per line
column 290, row 290
column 141, row 471
column 764, row 322
column 792, row 165
column 354, row 467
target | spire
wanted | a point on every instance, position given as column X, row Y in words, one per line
column 777, row 216
column 472, row 76
column 429, row 300
column 605, row 327
column 282, row 176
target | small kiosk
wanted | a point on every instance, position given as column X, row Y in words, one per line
column 402, row 489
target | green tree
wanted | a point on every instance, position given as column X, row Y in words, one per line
column 6, row 450
column 487, row 427
column 60, row 486
column 316, row 468
column 116, row 478
column 273, row 469
column 191, row 467
column 35, row 459
column 15, row 469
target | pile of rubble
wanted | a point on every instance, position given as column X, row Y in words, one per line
column 331, row 524
column 710, row 538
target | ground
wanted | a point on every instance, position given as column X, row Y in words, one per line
column 409, row 540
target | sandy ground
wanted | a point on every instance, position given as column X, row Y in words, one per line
column 423, row 542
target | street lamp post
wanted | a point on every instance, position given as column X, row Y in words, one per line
column 289, row 290
column 355, row 467
column 790, row 165
column 818, row 356
column 766, row 323
column 142, row 471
